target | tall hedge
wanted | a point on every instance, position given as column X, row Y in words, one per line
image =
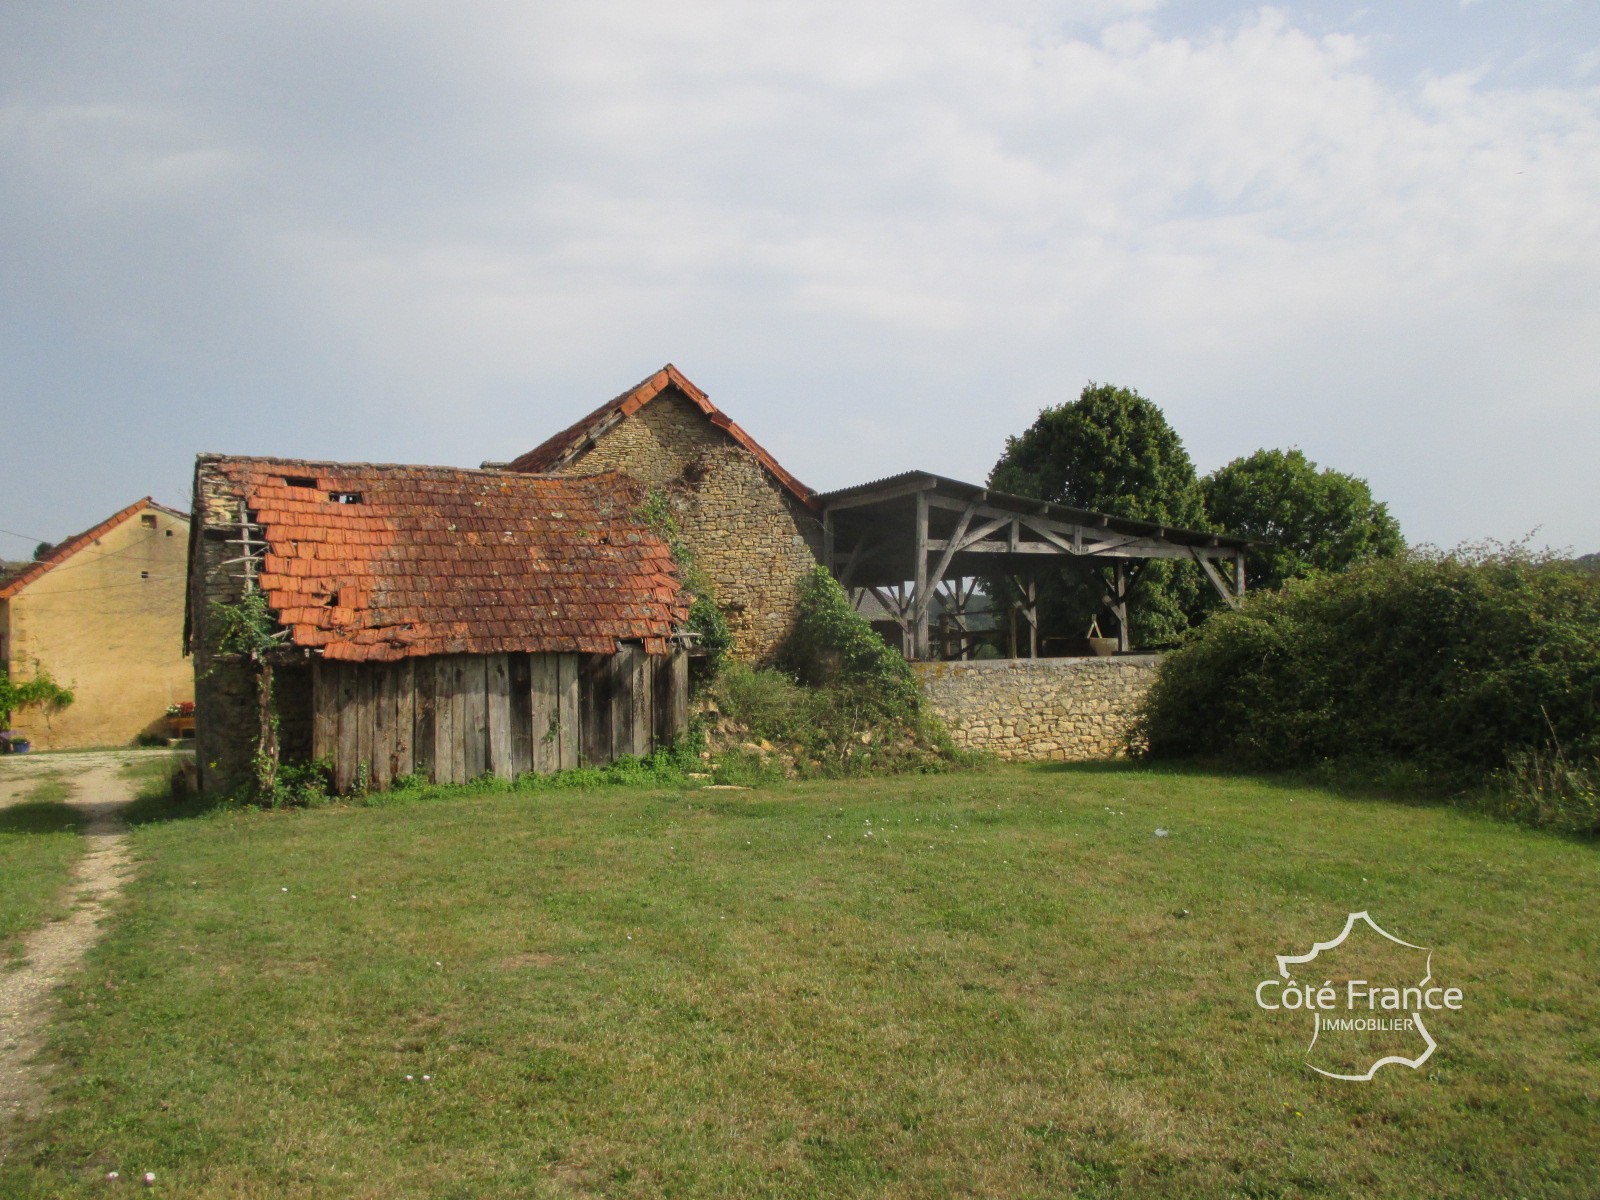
column 1455, row 664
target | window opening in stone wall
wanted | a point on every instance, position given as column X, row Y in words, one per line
column 148, row 520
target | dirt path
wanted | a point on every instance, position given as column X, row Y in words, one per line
column 100, row 791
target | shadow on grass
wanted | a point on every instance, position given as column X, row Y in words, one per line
column 1362, row 781
column 39, row 816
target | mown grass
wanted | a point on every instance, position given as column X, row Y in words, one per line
column 38, row 844
column 995, row 984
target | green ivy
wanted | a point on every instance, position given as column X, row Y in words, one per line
column 833, row 645
column 42, row 690
column 706, row 621
column 247, row 628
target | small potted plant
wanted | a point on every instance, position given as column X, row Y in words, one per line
column 180, row 717
column 19, row 744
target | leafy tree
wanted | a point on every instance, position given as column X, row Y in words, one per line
column 1317, row 520
column 1111, row 451
column 42, row 551
column 1586, row 563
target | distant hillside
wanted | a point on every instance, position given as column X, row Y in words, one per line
column 1588, row 562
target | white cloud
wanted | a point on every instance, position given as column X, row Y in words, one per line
column 929, row 217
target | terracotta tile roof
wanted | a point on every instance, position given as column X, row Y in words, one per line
column 10, row 586
column 563, row 446
column 437, row 560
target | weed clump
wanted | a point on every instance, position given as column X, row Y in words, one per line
column 839, row 702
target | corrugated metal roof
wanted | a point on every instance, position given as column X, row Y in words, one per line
column 896, row 487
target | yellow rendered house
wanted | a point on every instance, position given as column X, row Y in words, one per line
column 103, row 614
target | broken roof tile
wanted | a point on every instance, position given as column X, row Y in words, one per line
column 390, row 577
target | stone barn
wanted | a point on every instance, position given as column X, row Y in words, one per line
column 432, row 621
column 754, row 528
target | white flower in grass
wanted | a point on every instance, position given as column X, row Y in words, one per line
column 113, row 1175
column 149, row 1179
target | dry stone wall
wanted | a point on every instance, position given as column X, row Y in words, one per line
column 749, row 534
column 1041, row 709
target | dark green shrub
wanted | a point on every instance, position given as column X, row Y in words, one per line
column 832, row 645
column 842, row 702
column 1455, row 664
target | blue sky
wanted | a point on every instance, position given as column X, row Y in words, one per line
column 881, row 236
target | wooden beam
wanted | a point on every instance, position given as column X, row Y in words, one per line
column 895, row 605
column 1032, row 613
column 937, row 501
column 1050, row 535
column 919, row 632
column 1124, row 635
column 849, row 572
column 1217, row 581
column 931, row 582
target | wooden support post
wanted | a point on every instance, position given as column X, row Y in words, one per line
column 1238, row 573
column 1124, row 635
column 827, row 539
column 919, row 628
column 1031, row 612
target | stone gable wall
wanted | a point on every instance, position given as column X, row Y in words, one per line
column 752, row 538
column 1041, row 709
column 224, row 687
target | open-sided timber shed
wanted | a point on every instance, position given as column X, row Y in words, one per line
column 434, row 621
column 914, row 536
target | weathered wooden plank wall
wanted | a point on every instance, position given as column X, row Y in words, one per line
column 456, row 717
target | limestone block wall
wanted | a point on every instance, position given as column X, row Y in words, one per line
column 749, row 534
column 1041, row 709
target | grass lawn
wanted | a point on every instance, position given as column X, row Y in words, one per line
column 39, row 842
column 989, row 984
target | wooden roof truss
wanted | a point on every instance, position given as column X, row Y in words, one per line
column 904, row 539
